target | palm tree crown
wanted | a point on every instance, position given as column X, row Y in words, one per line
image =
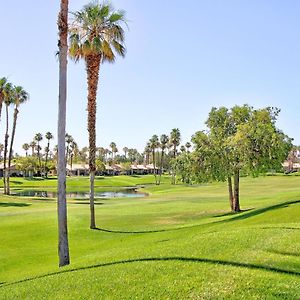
column 96, row 30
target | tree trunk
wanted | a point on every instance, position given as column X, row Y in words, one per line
column 16, row 111
column 154, row 170
column 63, row 244
column 230, row 191
column 92, row 67
column 92, row 204
column 46, row 159
column 5, row 151
column 236, row 202
column 161, row 165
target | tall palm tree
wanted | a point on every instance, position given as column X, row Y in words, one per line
column 32, row 146
column 48, row 136
column 20, row 96
column 63, row 244
column 164, row 140
column 38, row 138
column 96, row 36
column 182, row 148
column 69, row 140
column 174, row 141
column 26, row 148
column 147, row 152
column 125, row 150
column 154, row 143
column 8, row 100
column 3, row 82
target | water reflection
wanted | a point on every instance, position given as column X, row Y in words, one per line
column 128, row 193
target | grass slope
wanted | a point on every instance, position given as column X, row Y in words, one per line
column 178, row 243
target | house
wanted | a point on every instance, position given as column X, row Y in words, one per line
column 13, row 170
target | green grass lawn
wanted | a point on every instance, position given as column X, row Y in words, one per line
column 178, row 243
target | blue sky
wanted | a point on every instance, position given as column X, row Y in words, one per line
column 183, row 57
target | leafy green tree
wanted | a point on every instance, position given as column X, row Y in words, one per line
column 183, row 165
column 240, row 139
column 96, row 36
column 28, row 165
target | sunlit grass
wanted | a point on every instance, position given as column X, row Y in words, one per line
column 181, row 242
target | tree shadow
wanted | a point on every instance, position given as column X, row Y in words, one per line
column 166, row 259
column 284, row 253
column 15, row 204
column 230, row 213
column 86, row 203
column 16, row 182
column 260, row 211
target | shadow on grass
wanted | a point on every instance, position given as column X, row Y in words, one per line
column 15, row 204
column 244, row 214
column 284, row 253
column 87, row 203
column 139, row 232
column 230, row 213
column 260, row 211
column 16, row 182
column 166, row 259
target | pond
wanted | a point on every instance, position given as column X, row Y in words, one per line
column 128, row 193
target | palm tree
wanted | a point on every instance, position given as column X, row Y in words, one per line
column 69, row 140
column 1, row 150
column 38, row 138
column 48, row 136
column 26, row 148
column 164, row 140
column 182, row 148
column 8, row 100
column 154, row 143
column 95, row 36
column 3, row 82
column 147, row 152
column 32, row 146
column 19, row 96
column 125, row 149
column 188, row 146
column 174, row 141
column 63, row 244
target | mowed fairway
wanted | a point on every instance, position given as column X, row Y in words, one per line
column 178, row 243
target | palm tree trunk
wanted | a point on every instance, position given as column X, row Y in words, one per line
column 236, row 202
column 46, row 158
column 5, row 151
column 63, row 244
column 230, row 191
column 92, row 67
column 11, row 147
column 39, row 156
column 1, row 103
column 154, row 163
column 161, row 166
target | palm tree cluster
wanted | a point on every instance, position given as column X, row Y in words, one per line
column 11, row 96
column 160, row 151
